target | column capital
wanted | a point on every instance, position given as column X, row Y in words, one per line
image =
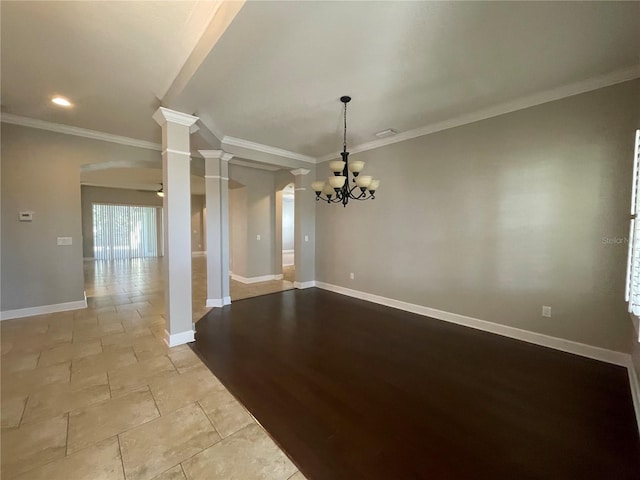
column 166, row 115
column 221, row 154
column 299, row 171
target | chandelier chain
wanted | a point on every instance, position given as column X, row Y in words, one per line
column 344, row 143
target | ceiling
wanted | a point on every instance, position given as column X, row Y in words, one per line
column 275, row 73
column 113, row 60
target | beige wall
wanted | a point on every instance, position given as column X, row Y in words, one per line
column 238, row 230
column 497, row 218
column 41, row 172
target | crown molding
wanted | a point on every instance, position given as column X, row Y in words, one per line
column 222, row 155
column 299, row 171
column 521, row 103
column 77, row 131
column 259, row 166
column 259, row 147
column 164, row 115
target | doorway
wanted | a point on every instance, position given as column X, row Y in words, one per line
column 288, row 230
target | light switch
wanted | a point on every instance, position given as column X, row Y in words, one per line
column 257, row 237
column 306, row 238
column 65, row 241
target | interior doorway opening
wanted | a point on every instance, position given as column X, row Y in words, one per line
column 288, row 232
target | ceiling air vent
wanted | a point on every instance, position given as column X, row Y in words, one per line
column 389, row 132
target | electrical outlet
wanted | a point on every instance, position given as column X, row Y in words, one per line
column 352, row 275
column 546, row 311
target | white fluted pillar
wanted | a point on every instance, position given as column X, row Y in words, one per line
column 176, row 178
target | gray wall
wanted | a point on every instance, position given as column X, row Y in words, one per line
column 41, row 172
column 198, row 242
column 238, row 230
column 495, row 219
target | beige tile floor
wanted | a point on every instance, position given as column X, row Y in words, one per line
column 96, row 394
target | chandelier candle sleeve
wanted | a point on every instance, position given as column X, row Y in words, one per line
column 337, row 189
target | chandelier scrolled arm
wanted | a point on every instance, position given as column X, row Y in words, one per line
column 337, row 189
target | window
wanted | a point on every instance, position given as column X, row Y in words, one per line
column 123, row 232
column 632, row 292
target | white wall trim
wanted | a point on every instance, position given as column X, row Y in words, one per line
column 288, row 251
column 214, row 303
column 263, row 278
column 78, row 132
column 259, row 147
column 539, row 98
column 179, row 338
column 198, row 253
column 302, row 285
column 589, row 351
column 226, row 300
column 216, row 177
column 43, row 310
column 635, row 391
column 299, row 171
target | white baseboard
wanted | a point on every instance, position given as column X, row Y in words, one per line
column 179, row 338
column 302, row 285
column 226, row 301
column 264, row 278
column 214, row 303
column 635, row 391
column 288, row 251
column 589, row 351
column 43, row 310
column 198, row 254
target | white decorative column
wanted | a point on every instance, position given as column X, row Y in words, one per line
column 176, row 179
column 216, row 168
column 305, row 230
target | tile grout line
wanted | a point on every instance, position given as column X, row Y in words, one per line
column 210, row 421
column 124, row 474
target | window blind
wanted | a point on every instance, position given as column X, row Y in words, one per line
column 124, row 232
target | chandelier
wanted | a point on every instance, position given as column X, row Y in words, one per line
column 337, row 189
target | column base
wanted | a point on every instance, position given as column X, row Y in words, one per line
column 218, row 302
column 179, row 338
column 226, row 300
column 301, row 285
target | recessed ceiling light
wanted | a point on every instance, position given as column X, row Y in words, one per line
column 63, row 102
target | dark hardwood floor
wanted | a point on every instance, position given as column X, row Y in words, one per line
column 354, row 390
